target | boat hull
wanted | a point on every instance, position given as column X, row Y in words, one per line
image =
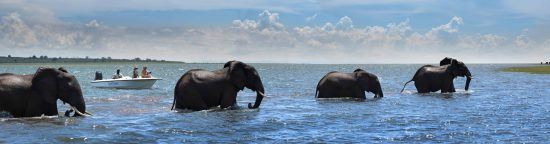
column 137, row 83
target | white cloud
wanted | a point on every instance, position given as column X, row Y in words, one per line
column 245, row 24
column 523, row 41
column 328, row 27
column 264, row 39
column 32, row 13
column 15, row 32
column 311, row 18
column 345, row 23
column 449, row 27
column 492, row 41
column 399, row 29
column 93, row 24
column 438, row 37
column 266, row 21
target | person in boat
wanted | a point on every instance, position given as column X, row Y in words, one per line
column 118, row 74
column 136, row 73
column 145, row 73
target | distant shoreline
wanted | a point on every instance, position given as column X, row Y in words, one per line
column 541, row 69
column 60, row 60
column 45, row 59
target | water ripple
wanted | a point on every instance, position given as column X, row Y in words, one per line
column 499, row 107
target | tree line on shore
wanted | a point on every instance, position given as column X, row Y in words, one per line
column 44, row 58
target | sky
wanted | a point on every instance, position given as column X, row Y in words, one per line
column 309, row 31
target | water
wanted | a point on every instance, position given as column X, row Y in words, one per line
column 500, row 107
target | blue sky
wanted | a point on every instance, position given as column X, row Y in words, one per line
column 312, row 31
column 486, row 16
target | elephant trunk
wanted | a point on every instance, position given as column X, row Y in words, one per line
column 379, row 92
column 468, row 79
column 79, row 106
column 259, row 96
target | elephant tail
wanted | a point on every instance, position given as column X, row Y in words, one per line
column 176, row 92
column 316, row 90
column 175, row 96
column 319, row 83
column 173, row 103
column 406, row 85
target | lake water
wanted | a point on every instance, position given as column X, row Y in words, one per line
column 500, row 107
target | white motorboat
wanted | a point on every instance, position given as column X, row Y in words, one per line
column 125, row 83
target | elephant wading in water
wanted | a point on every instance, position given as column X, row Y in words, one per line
column 339, row 85
column 433, row 78
column 37, row 94
column 200, row 89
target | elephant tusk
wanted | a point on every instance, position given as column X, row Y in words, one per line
column 80, row 113
column 262, row 94
column 258, row 100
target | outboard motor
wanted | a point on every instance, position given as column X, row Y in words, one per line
column 98, row 75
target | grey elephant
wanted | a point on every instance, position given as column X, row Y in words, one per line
column 430, row 78
column 37, row 94
column 338, row 85
column 200, row 89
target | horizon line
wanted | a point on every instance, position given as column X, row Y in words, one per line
column 257, row 62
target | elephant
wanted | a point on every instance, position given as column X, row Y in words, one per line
column 429, row 78
column 37, row 94
column 339, row 85
column 200, row 89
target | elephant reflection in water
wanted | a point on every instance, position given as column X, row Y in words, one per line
column 200, row 89
column 430, row 78
column 37, row 94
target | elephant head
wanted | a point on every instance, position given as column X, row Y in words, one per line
column 458, row 68
column 243, row 75
column 51, row 84
column 445, row 61
column 369, row 82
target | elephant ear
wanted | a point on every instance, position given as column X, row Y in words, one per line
column 361, row 77
column 454, row 62
column 236, row 73
column 227, row 64
column 453, row 68
column 63, row 69
column 358, row 70
column 445, row 61
column 45, row 84
column 358, row 73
